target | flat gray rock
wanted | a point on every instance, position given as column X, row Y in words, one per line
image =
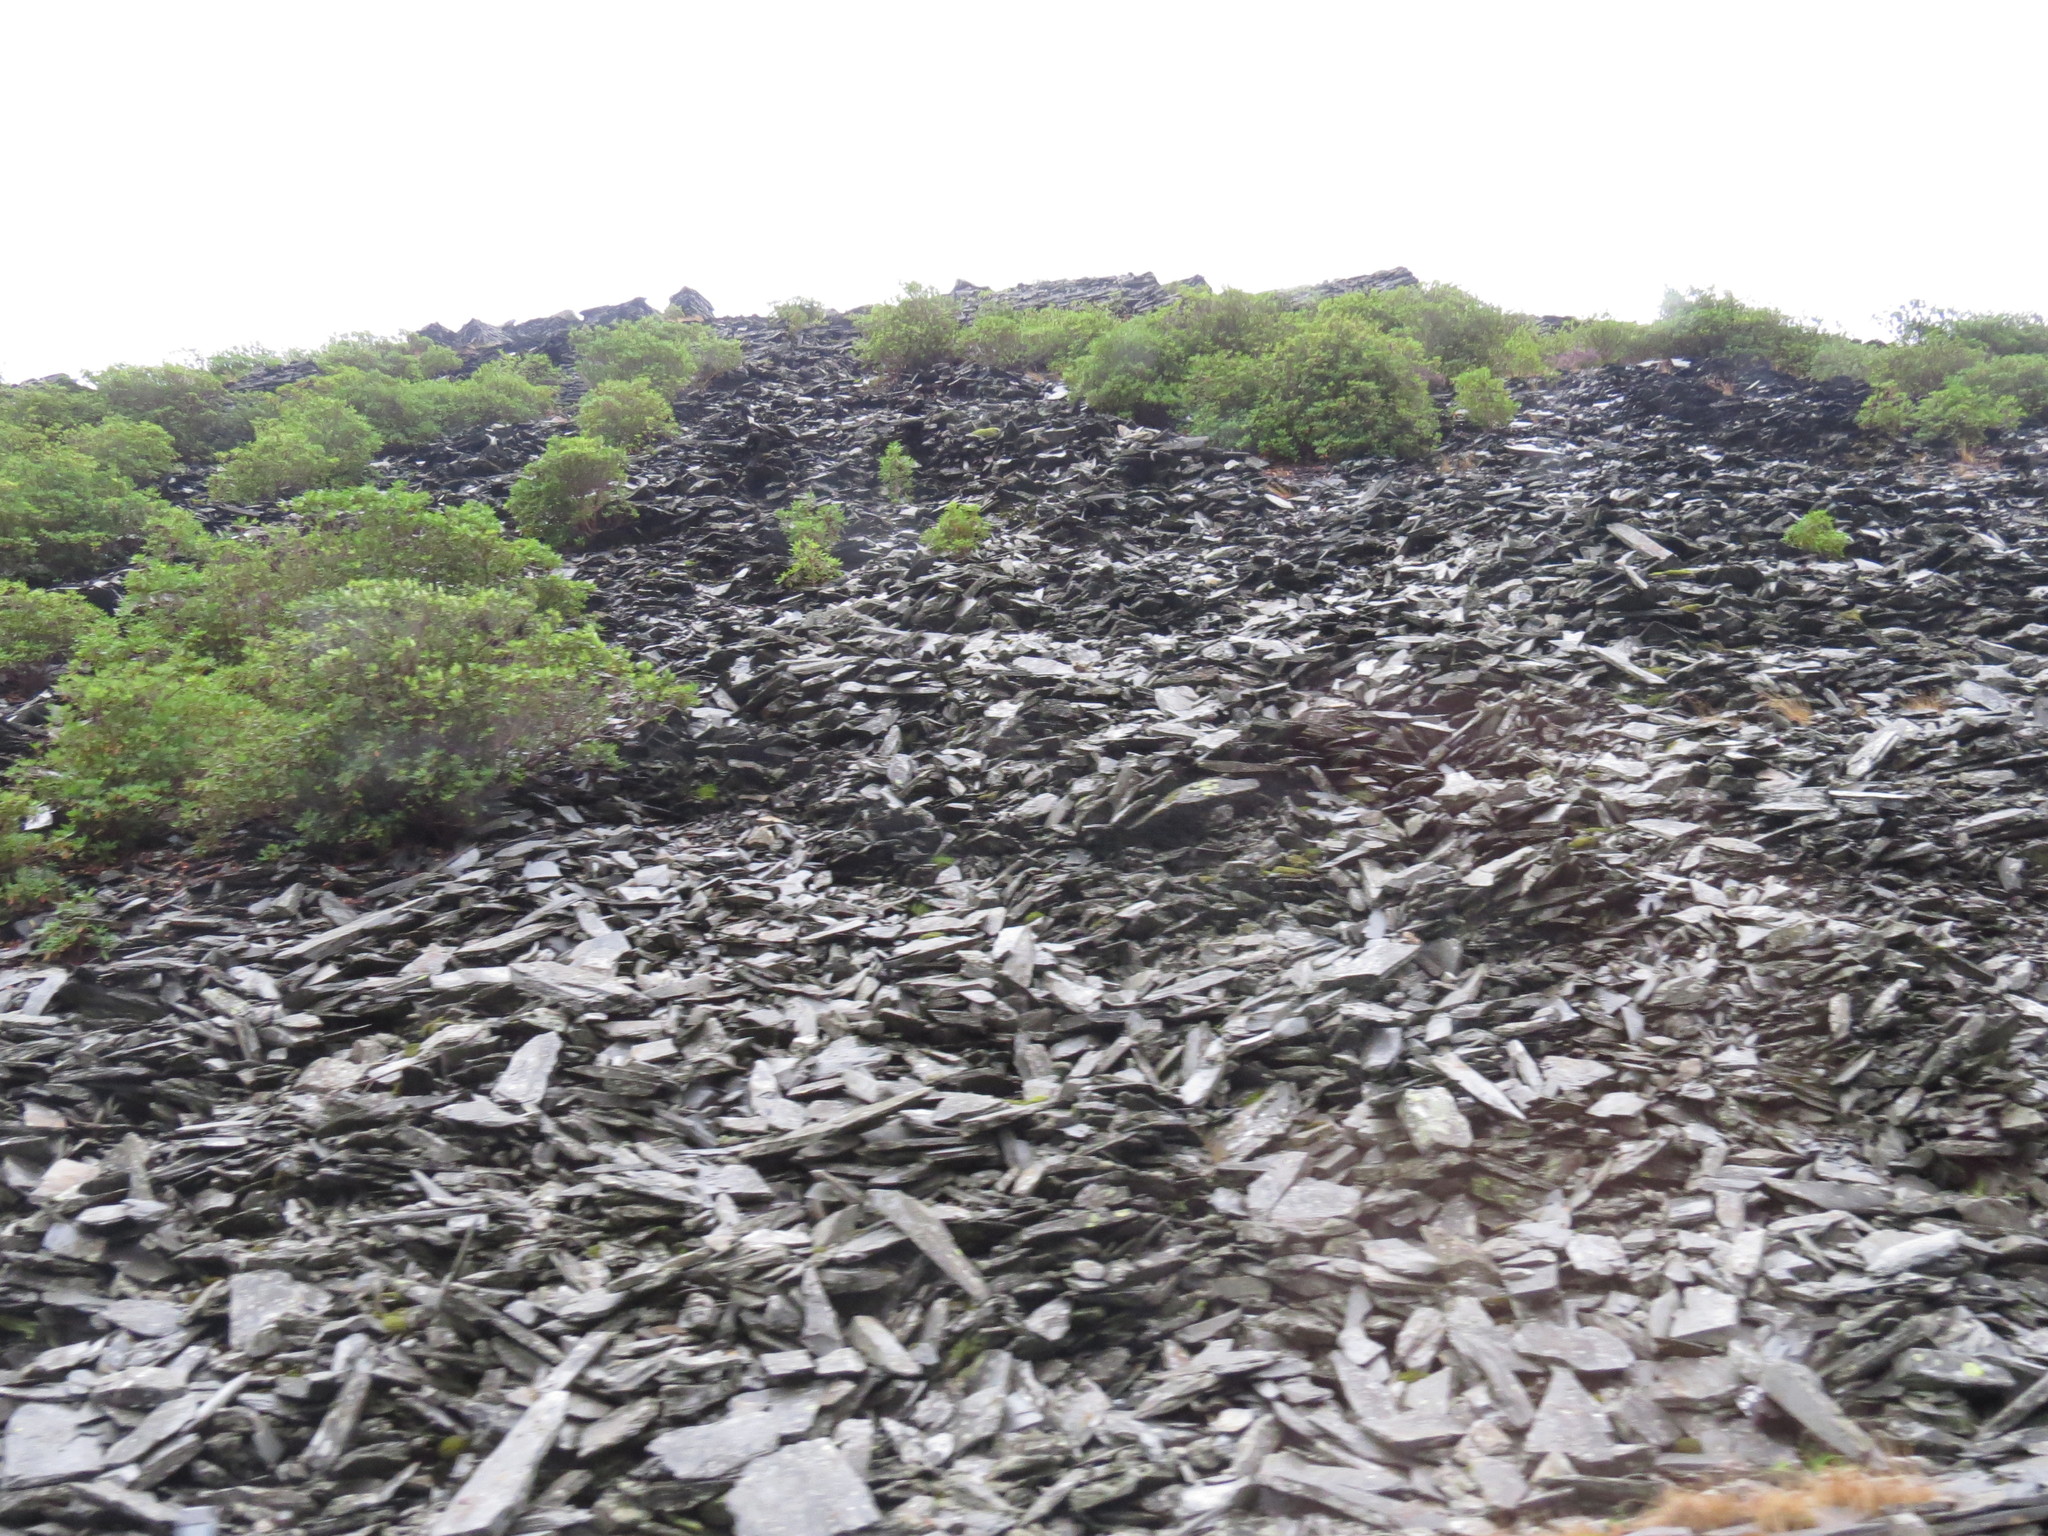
column 807, row 1489
column 1568, row 1420
column 706, row 1452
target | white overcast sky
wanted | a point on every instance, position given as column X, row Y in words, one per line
column 204, row 174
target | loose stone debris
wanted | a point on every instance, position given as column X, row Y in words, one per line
column 1440, row 997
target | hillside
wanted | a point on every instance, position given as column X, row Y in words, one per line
column 1444, row 993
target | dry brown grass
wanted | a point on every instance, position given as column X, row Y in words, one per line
column 1929, row 703
column 1798, row 711
column 1801, row 1502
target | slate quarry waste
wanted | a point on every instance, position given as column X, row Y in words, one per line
column 1265, row 999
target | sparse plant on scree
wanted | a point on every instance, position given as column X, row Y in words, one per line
column 570, row 492
column 896, row 470
column 812, row 528
column 1817, row 534
column 1484, row 399
column 960, row 529
column 799, row 315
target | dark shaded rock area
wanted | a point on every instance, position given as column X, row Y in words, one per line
column 1265, row 999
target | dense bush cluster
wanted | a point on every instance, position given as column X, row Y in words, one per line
column 667, row 355
column 371, row 668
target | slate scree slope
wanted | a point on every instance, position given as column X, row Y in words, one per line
column 1265, row 1000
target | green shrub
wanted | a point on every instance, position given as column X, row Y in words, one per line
column 313, row 442
column 1837, row 357
column 74, row 928
column 372, row 668
column 1337, row 387
column 896, row 470
column 2022, row 377
column 1921, row 367
column 1032, row 339
column 919, row 330
column 408, row 411
column 49, row 408
column 1141, row 368
column 960, row 529
column 1457, row 331
column 626, row 413
column 666, row 354
column 39, row 631
column 1964, row 416
column 191, row 404
column 1484, row 399
column 62, row 516
column 401, row 357
column 2007, row 335
column 812, row 528
column 1887, row 409
column 569, row 492
column 209, row 596
column 1703, row 323
column 1595, row 343
column 799, row 315
column 240, row 362
column 134, row 450
column 1817, row 534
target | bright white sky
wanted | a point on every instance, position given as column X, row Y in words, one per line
column 210, row 173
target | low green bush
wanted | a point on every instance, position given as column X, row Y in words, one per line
column 410, row 411
column 1032, row 339
column 398, row 666
column 1817, row 534
column 960, row 529
column 38, row 632
column 1921, row 367
column 897, row 471
column 1454, row 329
column 799, row 315
column 48, row 408
column 570, row 492
column 1484, row 399
column 1887, row 410
column 2021, row 377
column 1704, row 323
column 62, row 516
column 313, row 442
column 919, row 330
column 1597, row 342
column 1838, row 357
column 240, row 362
column 665, row 354
column 137, row 451
column 1963, row 416
column 626, row 413
column 1141, row 367
column 1998, row 335
column 191, row 404
column 400, row 357
column 1336, row 387
column 812, row 528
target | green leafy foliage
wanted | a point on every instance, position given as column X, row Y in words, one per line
column 1817, row 534
column 1962, row 415
column 1141, row 368
column 1887, row 409
column 627, row 413
column 410, row 410
column 240, row 362
column 1032, row 339
column 665, row 354
column 1705, row 323
column 49, row 407
column 1596, row 342
column 897, row 471
column 799, row 315
column 919, row 330
column 569, row 492
column 399, row 357
column 960, row 529
column 1999, row 335
column 1838, row 357
column 812, row 528
column 1922, row 366
column 62, row 516
column 314, row 441
column 137, row 451
column 192, row 404
column 2022, row 377
column 74, row 928
column 39, row 631
column 1453, row 328
column 373, row 668
column 1484, row 399
column 1336, row 387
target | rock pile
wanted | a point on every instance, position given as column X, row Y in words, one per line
column 1431, row 996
